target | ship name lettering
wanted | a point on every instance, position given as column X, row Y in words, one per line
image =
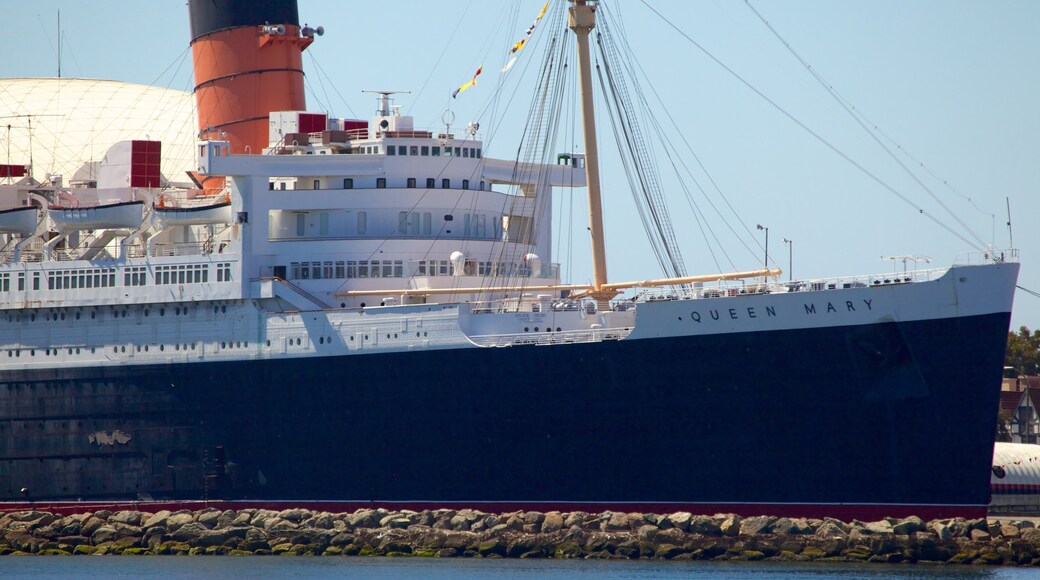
column 751, row 312
column 733, row 313
column 867, row 302
column 848, row 304
column 696, row 316
column 810, row 309
column 714, row 314
column 771, row 311
column 831, row 308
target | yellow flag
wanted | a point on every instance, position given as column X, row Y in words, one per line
column 469, row 84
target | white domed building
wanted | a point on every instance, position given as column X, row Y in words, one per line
column 64, row 126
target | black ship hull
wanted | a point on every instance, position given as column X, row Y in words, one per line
column 858, row 421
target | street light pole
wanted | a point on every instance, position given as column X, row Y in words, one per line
column 790, row 259
column 766, row 263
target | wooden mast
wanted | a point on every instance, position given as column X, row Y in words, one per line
column 582, row 19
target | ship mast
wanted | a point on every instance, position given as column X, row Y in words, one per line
column 582, row 19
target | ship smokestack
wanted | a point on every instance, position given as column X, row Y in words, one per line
column 248, row 57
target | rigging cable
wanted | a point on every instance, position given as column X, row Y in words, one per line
column 811, row 132
column 860, row 118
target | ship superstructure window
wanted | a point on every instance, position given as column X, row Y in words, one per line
column 181, row 274
column 135, row 276
column 431, row 182
column 447, row 151
column 391, row 150
column 413, row 150
column 436, row 151
column 445, row 184
column 348, row 183
column 411, row 183
column 380, row 183
column 402, row 150
column 224, row 272
column 362, row 222
column 465, row 151
column 301, row 224
column 425, row 150
column 465, row 184
column 5, row 282
column 317, row 184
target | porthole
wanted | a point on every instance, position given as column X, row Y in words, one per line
column 557, row 329
column 321, row 340
column 223, row 309
column 93, row 315
column 269, row 342
column 527, row 329
column 162, row 348
column 146, row 312
column 63, row 316
column 162, row 312
column 122, row 349
column 388, row 335
column 223, row 345
column 536, row 329
column 32, row 352
column 77, row 316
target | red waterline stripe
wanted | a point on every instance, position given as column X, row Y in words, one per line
column 846, row 512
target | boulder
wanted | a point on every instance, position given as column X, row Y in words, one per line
column 572, row 519
column 156, row 519
column 553, row 522
column 830, row 530
column 175, row 521
column 908, row 526
column 680, row 520
column 705, row 526
column 188, row 532
column 757, row 525
column 785, row 527
column 614, row 521
column 879, row 527
column 731, row 525
column 209, row 518
column 980, row 536
column 295, row 515
column 209, row 538
column 126, row 517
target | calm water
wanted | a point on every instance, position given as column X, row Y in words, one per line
column 174, row 567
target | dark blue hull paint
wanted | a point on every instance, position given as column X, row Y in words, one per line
column 893, row 413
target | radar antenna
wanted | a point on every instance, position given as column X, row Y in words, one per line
column 384, row 100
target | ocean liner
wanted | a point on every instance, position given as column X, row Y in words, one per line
column 352, row 313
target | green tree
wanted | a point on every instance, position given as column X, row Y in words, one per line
column 1023, row 351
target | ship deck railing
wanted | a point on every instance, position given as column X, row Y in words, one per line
column 754, row 286
column 550, row 337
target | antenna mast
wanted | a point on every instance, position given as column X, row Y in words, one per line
column 59, row 44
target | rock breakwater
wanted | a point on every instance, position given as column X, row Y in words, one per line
column 469, row 533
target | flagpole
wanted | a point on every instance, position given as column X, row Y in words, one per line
column 582, row 19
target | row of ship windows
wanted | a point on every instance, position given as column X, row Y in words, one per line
column 121, row 349
column 435, row 151
column 107, row 277
column 395, row 269
column 410, row 183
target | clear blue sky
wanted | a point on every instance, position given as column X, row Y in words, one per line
column 953, row 83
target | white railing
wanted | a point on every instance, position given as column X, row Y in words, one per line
column 549, row 338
